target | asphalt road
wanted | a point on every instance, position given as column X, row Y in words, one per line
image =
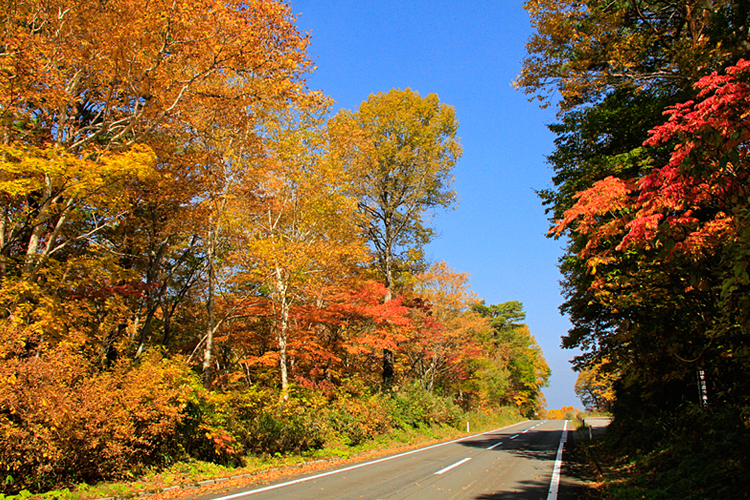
column 596, row 425
column 515, row 462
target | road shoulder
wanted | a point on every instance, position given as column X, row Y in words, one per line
column 580, row 474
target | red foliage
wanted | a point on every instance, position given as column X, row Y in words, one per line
column 690, row 199
column 339, row 335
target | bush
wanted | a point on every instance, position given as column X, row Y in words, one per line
column 223, row 427
column 62, row 420
column 291, row 426
column 358, row 416
column 492, row 418
column 414, row 406
column 693, row 454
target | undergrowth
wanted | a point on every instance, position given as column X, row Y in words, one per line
column 696, row 455
column 251, row 431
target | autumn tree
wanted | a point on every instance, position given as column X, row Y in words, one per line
column 688, row 215
column 347, row 329
column 595, row 386
column 564, row 413
column 617, row 66
column 299, row 224
column 513, row 356
column 123, row 126
column 100, row 103
column 400, row 149
column 444, row 331
column 128, row 91
column 589, row 50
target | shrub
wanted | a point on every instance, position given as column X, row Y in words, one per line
column 358, row 417
column 62, row 420
column 414, row 406
column 223, row 427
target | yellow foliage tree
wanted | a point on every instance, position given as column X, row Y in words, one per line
column 299, row 225
column 595, row 385
column 105, row 104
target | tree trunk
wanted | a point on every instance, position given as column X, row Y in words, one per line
column 30, row 265
column 3, row 260
column 208, row 350
column 282, row 332
column 388, row 358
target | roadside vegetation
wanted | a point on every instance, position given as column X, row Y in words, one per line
column 244, row 440
column 696, row 456
column 650, row 193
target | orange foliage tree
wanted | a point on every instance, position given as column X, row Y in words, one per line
column 444, row 333
column 299, row 225
column 401, row 148
column 106, row 105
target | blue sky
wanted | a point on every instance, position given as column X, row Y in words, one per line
column 468, row 54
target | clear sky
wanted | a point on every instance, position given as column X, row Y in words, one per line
column 468, row 53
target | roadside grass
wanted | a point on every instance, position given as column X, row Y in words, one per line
column 698, row 456
column 581, row 468
column 189, row 473
column 664, row 475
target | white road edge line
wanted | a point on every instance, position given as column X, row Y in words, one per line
column 554, row 484
column 454, row 465
column 358, row 466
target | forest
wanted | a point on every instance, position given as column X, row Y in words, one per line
column 200, row 261
column 650, row 195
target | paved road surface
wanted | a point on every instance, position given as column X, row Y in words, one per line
column 598, row 425
column 515, row 462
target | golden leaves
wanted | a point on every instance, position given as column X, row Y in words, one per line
column 65, row 177
column 138, row 66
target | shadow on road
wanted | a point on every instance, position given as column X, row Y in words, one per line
column 528, row 490
column 543, row 440
column 577, row 469
column 539, row 447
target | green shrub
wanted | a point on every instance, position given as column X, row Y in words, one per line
column 223, row 427
column 358, row 417
column 414, row 406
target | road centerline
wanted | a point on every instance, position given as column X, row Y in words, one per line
column 495, row 445
column 446, row 469
column 353, row 467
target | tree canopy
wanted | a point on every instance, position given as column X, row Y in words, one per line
column 198, row 262
column 648, row 189
column 400, row 148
